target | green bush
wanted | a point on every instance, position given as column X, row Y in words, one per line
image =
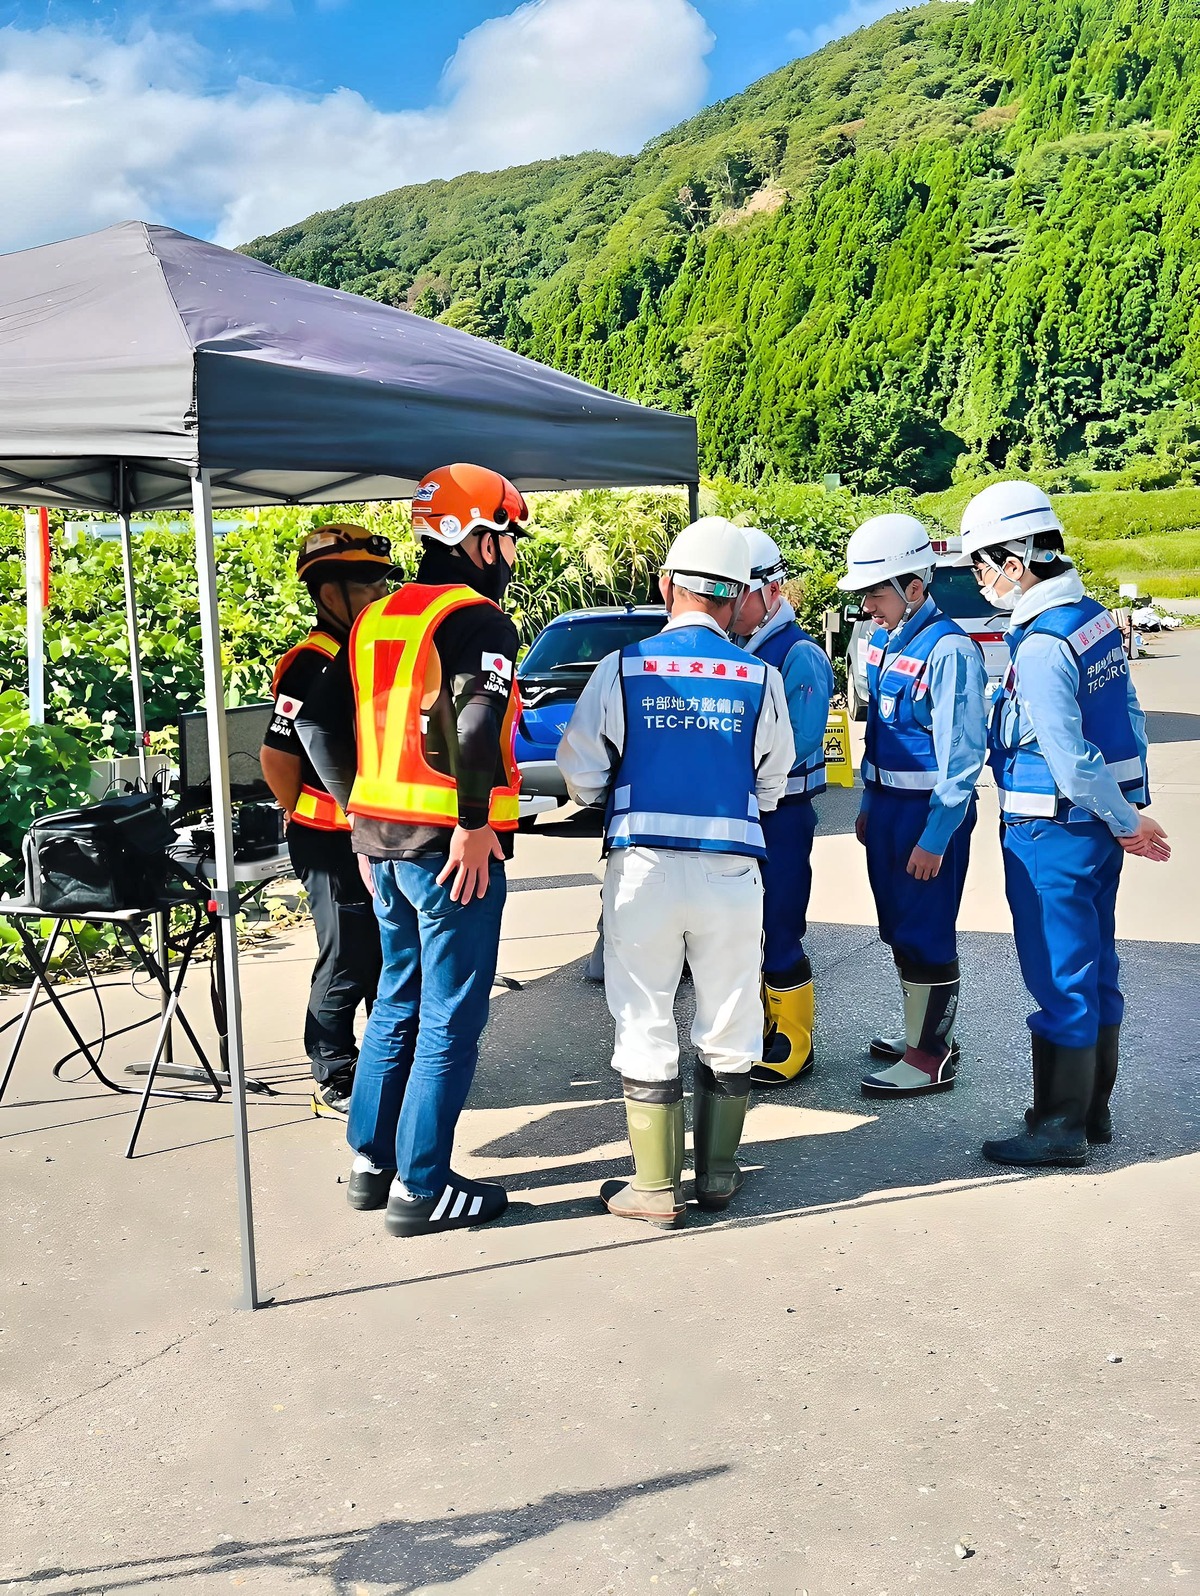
column 44, row 768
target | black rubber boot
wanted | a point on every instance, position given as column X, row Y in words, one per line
column 718, row 1114
column 1055, row 1131
column 1041, row 1053
column 1108, row 1047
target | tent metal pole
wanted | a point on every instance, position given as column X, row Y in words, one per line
column 693, row 490
column 225, row 892
column 131, row 623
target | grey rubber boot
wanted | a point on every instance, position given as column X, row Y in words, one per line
column 928, row 1063
column 718, row 1114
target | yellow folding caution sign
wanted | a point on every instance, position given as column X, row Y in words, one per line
column 839, row 770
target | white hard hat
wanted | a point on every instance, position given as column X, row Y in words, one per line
column 766, row 562
column 710, row 557
column 885, row 547
column 1007, row 514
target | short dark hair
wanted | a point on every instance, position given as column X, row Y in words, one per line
column 1043, row 570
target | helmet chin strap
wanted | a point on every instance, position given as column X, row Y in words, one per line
column 911, row 606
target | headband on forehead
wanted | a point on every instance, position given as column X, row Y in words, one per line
column 714, row 587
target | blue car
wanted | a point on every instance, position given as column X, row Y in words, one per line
column 552, row 675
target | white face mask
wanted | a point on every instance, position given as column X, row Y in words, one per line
column 998, row 600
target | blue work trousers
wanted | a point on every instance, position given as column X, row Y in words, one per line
column 421, row 1042
column 917, row 919
column 787, row 887
column 1061, row 882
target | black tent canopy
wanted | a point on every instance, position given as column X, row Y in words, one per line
column 143, row 370
column 143, row 345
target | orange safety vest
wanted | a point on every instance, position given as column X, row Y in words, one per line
column 389, row 655
column 315, row 807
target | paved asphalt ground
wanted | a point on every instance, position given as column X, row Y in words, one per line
column 887, row 1348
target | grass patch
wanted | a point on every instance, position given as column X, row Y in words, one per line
column 1151, row 538
column 1165, row 565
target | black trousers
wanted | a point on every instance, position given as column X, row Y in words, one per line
column 348, row 958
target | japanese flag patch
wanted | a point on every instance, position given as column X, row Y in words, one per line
column 498, row 665
column 288, row 708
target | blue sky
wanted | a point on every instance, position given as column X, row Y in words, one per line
column 233, row 117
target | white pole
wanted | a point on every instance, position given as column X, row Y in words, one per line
column 35, row 604
column 131, row 630
column 226, row 892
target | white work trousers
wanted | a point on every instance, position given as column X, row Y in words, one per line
column 660, row 906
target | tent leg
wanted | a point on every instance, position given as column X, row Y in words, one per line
column 131, row 628
column 693, row 501
column 226, row 892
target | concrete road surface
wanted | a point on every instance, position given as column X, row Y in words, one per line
column 887, row 1356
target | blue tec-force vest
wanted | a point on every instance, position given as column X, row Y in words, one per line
column 807, row 776
column 1027, row 789
column 686, row 777
column 899, row 755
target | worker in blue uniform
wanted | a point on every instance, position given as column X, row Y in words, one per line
column 765, row 625
column 1067, row 745
column 925, row 742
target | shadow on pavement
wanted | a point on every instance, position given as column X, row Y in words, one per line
column 550, row 1043
column 1172, row 726
column 397, row 1556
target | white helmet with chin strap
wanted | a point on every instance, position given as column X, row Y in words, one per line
column 1009, row 515
column 710, row 557
column 767, row 565
column 884, row 548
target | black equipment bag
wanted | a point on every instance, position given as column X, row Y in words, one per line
column 109, row 855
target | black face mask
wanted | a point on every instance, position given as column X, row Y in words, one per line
column 440, row 564
column 494, row 579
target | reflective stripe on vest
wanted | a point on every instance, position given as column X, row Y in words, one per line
column 807, row 776
column 320, row 810
column 686, row 777
column 390, row 653
column 1023, row 777
column 900, row 755
column 315, row 808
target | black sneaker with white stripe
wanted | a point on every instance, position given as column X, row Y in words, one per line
column 461, row 1203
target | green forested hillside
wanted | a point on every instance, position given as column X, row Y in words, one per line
column 968, row 235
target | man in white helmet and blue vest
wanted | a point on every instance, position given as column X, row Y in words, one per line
column 925, row 741
column 1067, row 746
column 686, row 740
column 765, row 625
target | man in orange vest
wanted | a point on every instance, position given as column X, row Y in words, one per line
column 345, row 568
column 412, row 729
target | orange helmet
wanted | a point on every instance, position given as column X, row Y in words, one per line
column 341, row 549
column 456, row 500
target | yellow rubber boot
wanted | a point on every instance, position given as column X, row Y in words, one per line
column 788, row 1044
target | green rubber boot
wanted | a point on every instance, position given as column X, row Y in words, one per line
column 654, row 1115
column 718, row 1114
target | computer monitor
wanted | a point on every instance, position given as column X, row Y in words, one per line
column 245, row 728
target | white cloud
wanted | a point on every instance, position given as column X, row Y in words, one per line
column 97, row 129
column 858, row 14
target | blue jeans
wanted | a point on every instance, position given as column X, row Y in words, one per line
column 421, row 1042
column 1062, row 883
column 917, row 919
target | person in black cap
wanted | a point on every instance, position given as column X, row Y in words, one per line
column 345, row 568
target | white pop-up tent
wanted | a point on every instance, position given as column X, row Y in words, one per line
column 141, row 369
